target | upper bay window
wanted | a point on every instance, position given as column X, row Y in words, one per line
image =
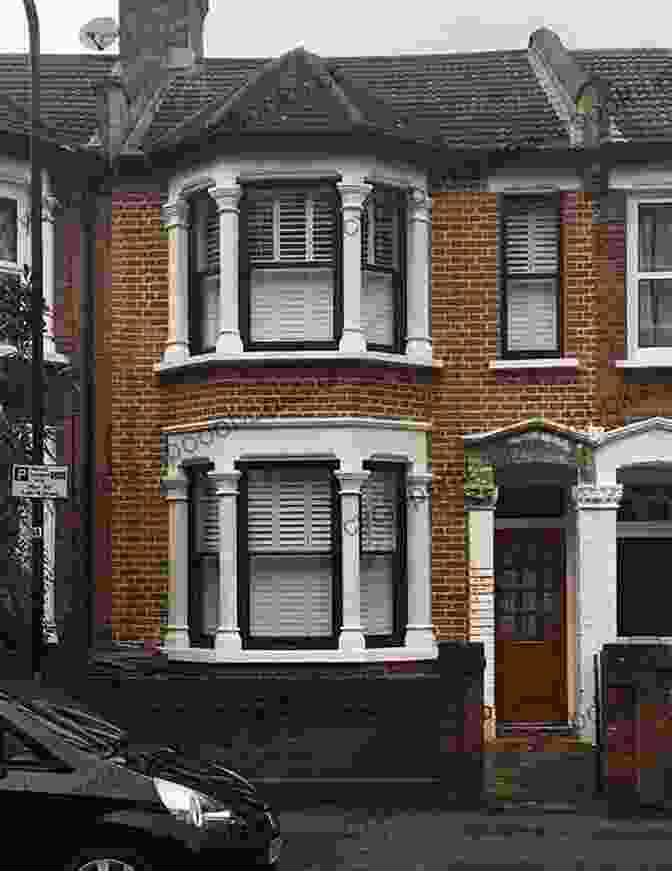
column 531, row 310
column 383, row 269
column 289, row 289
column 290, row 267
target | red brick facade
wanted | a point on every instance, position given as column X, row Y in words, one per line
column 466, row 396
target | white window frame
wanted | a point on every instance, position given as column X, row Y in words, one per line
column 18, row 193
column 652, row 356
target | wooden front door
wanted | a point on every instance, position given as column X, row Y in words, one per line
column 530, row 662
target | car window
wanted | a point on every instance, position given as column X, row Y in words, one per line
column 17, row 751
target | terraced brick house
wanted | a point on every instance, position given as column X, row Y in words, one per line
column 383, row 349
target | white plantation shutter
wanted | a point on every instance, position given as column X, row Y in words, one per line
column 291, row 305
column 532, row 314
column 210, row 313
column 289, row 542
column 378, row 542
column 378, row 307
column 207, row 515
column 532, row 251
column 380, row 248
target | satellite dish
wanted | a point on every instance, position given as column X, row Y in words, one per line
column 99, row 33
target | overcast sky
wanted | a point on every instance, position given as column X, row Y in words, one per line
column 354, row 27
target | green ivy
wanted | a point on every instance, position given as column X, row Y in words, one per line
column 479, row 478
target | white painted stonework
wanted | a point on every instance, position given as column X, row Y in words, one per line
column 355, row 177
column 351, row 441
column 639, row 451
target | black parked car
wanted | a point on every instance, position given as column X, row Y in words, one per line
column 75, row 795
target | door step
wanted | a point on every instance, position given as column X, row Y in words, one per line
column 525, row 729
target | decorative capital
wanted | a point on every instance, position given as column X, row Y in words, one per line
column 175, row 214
column 50, row 206
column 592, row 496
column 225, row 482
column 175, row 484
column 351, row 482
column 227, row 198
column 353, row 196
column 419, row 205
column 486, row 502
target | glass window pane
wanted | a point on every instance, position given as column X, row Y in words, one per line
column 527, row 626
column 8, row 222
column 655, row 313
column 655, row 237
column 529, row 600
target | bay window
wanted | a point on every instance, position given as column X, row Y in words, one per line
column 290, row 267
column 382, row 556
column 531, row 310
column 289, row 549
column 204, row 273
column 383, row 270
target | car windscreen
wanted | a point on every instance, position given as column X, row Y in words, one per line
column 84, row 731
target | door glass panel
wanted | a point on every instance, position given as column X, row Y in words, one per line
column 528, row 626
column 529, row 602
column 529, row 578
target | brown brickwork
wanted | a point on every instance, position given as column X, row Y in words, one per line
column 139, row 312
column 467, row 396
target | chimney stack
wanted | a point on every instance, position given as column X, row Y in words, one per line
column 157, row 39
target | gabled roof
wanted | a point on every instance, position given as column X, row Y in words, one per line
column 477, row 100
column 298, row 93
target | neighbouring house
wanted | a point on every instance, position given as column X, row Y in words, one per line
column 383, row 351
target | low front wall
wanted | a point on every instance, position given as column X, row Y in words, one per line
column 637, row 694
column 414, row 725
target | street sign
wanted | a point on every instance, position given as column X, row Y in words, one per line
column 40, row 482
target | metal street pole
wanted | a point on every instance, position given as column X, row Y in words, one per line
column 37, row 636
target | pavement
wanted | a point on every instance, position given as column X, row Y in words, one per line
column 502, row 835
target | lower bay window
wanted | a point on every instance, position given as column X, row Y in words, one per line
column 289, row 555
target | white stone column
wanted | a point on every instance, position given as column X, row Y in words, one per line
column 227, row 637
column 419, row 628
column 418, row 339
column 227, row 198
column 353, row 197
column 481, row 531
column 176, row 222
column 175, row 485
column 352, row 636
column 596, row 578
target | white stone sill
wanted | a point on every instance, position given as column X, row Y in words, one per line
column 663, row 363
column 542, row 363
column 266, row 357
column 377, row 654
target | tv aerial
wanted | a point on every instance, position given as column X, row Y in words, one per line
column 99, row 34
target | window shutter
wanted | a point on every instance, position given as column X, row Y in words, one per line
column 378, row 307
column 260, row 229
column 291, row 305
column 210, row 311
column 532, row 314
column 531, row 238
column 289, row 516
column 378, row 543
column 207, row 516
column 212, row 236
